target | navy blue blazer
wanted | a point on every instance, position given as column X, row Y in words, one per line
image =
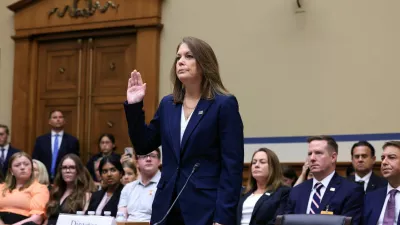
column 266, row 208
column 111, row 205
column 43, row 152
column 342, row 196
column 10, row 152
column 374, row 183
column 213, row 138
column 373, row 205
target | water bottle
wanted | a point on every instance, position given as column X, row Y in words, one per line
column 91, row 213
column 107, row 213
column 120, row 217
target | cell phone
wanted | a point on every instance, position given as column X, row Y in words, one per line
column 129, row 151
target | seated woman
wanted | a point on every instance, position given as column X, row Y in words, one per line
column 107, row 199
column 107, row 147
column 22, row 198
column 266, row 195
column 130, row 170
column 40, row 172
column 71, row 189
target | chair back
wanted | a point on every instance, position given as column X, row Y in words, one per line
column 309, row 219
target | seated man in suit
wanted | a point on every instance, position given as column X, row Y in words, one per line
column 382, row 205
column 6, row 150
column 327, row 192
column 363, row 160
column 52, row 147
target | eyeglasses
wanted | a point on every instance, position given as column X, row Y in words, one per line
column 66, row 168
column 151, row 155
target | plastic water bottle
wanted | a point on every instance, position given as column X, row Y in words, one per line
column 107, row 213
column 81, row 213
column 120, row 217
column 91, row 213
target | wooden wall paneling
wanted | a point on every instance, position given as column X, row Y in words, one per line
column 147, row 61
column 139, row 12
column 37, row 87
column 108, row 116
column 22, row 101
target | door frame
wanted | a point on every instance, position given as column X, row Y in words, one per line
column 24, row 106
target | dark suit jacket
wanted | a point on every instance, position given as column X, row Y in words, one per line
column 10, row 152
column 266, row 208
column 112, row 204
column 373, row 205
column 43, row 152
column 374, row 183
column 342, row 196
column 213, row 138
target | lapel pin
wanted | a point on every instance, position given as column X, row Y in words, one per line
column 267, row 193
column 201, row 112
column 332, row 189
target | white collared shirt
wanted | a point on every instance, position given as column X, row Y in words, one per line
column 184, row 122
column 396, row 212
column 365, row 179
column 53, row 138
column 5, row 147
column 325, row 183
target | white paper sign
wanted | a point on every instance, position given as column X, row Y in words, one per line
column 71, row 219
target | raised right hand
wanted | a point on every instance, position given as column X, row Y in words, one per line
column 136, row 88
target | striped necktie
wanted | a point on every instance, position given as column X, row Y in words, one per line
column 316, row 200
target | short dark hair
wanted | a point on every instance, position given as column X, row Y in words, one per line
column 53, row 111
column 365, row 144
column 157, row 150
column 290, row 173
column 392, row 144
column 330, row 140
column 6, row 128
column 110, row 136
column 114, row 160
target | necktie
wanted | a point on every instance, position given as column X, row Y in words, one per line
column 389, row 217
column 54, row 157
column 316, row 201
column 2, row 157
column 361, row 183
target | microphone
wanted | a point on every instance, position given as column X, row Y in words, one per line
column 179, row 194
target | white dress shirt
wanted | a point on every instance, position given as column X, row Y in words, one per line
column 397, row 199
column 365, row 179
column 53, row 138
column 184, row 122
column 5, row 147
column 248, row 207
column 325, row 183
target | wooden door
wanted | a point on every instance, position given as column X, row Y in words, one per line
column 86, row 79
column 111, row 61
column 60, row 85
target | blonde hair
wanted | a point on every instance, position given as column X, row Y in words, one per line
column 11, row 181
column 43, row 176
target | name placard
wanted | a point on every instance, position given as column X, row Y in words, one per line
column 71, row 219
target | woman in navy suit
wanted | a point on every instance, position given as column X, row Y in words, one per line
column 198, row 124
column 266, row 194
